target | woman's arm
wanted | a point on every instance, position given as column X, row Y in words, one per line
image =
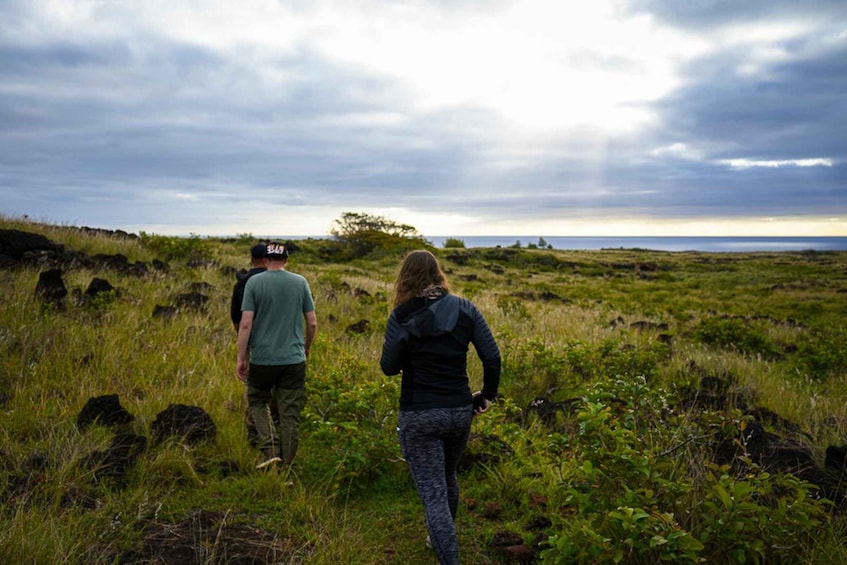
column 392, row 347
column 489, row 354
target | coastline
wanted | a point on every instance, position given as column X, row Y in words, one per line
column 655, row 243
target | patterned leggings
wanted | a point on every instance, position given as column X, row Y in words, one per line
column 432, row 441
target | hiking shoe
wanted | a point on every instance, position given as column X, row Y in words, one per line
column 269, row 463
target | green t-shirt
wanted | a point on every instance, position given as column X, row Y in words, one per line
column 278, row 300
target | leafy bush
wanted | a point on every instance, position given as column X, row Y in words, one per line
column 512, row 306
column 622, row 492
column 756, row 518
column 359, row 235
column 454, row 243
column 353, row 421
column 537, row 370
column 613, row 358
column 533, row 369
column 169, row 248
column 822, row 353
column 628, row 494
column 737, row 334
column 530, row 258
column 351, row 224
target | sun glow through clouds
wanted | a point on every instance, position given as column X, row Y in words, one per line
column 519, row 117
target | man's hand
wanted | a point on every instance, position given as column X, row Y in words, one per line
column 244, row 330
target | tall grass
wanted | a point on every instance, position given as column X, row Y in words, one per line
column 771, row 325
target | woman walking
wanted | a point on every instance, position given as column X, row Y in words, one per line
column 427, row 339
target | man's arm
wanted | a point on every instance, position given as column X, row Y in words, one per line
column 244, row 329
column 311, row 329
column 235, row 304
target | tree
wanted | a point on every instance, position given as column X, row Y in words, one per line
column 353, row 225
column 454, row 242
column 360, row 234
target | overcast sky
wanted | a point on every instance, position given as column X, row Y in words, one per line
column 463, row 117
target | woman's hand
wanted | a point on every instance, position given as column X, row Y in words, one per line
column 480, row 403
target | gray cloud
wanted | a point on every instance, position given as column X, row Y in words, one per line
column 117, row 128
column 706, row 14
column 788, row 111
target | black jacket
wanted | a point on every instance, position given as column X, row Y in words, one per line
column 427, row 340
column 238, row 293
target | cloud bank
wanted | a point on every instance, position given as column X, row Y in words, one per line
column 460, row 118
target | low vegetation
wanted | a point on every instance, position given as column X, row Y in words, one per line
column 656, row 406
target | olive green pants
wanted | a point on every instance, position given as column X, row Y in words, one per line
column 284, row 386
column 252, row 436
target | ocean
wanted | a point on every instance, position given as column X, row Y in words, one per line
column 705, row 244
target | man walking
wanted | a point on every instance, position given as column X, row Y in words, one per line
column 273, row 344
column 257, row 265
column 257, row 262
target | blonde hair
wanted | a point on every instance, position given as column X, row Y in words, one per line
column 418, row 270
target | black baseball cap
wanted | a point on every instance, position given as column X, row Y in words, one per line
column 276, row 250
column 258, row 251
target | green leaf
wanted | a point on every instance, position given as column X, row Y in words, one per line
column 724, row 496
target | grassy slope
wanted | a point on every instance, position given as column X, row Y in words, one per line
column 350, row 500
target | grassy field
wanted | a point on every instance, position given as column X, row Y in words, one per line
column 631, row 382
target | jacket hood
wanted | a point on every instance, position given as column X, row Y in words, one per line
column 250, row 273
column 436, row 317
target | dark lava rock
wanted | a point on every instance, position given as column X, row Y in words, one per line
column 50, row 287
column 105, row 410
column 191, row 423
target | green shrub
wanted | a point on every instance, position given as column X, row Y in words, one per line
column 512, row 306
column 620, row 489
column 359, row 235
column 614, row 358
column 632, row 502
column 822, row 353
column 169, row 248
column 454, row 243
column 628, row 535
column 756, row 518
column 532, row 368
column 371, row 245
column 536, row 370
column 737, row 334
column 351, row 423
